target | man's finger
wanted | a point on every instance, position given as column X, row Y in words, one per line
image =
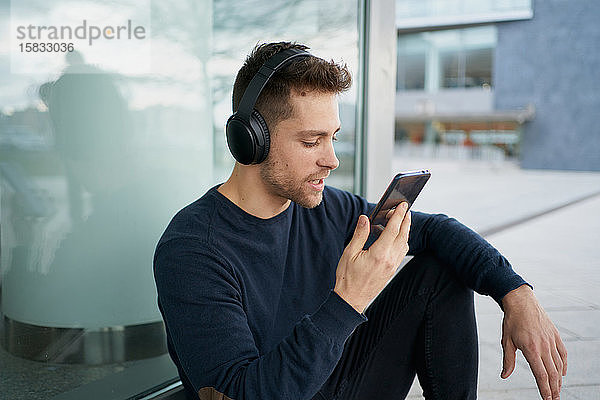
column 392, row 229
column 540, row 374
column 554, row 377
column 404, row 230
column 557, row 362
column 562, row 350
column 361, row 234
column 508, row 361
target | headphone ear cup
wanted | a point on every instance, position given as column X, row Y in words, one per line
column 240, row 140
column 263, row 136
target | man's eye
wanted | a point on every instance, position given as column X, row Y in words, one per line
column 335, row 139
column 310, row 144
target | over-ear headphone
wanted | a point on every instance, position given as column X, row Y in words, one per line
column 247, row 132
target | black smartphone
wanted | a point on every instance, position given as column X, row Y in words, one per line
column 405, row 186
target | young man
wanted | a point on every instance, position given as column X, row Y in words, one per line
column 263, row 282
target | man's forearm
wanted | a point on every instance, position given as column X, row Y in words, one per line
column 476, row 262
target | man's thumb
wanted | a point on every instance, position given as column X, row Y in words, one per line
column 361, row 234
column 508, row 363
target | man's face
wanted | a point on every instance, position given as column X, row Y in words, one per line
column 301, row 154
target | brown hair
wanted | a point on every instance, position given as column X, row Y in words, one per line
column 302, row 74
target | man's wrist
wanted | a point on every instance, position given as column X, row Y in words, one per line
column 359, row 309
column 517, row 297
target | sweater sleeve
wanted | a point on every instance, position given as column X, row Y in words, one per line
column 200, row 299
column 476, row 262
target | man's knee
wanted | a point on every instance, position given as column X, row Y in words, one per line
column 439, row 279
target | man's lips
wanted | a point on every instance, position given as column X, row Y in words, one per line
column 317, row 177
column 317, row 184
column 317, row 181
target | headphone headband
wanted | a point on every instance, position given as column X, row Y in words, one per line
column 259, row 81
column 247, row 132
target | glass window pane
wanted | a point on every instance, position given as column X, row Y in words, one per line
column 411, row 62
column 450, row 65
column 411, row 72
column 420, row 13
column 98, row 151
column 457, row 58
column 478, row 67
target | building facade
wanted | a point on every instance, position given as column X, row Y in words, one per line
column 513, row 78
column 552, row 61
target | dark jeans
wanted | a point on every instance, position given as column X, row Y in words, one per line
column 423, row 322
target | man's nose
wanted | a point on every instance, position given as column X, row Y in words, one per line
column 328, row 158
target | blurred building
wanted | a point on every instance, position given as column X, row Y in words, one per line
column 516, row 78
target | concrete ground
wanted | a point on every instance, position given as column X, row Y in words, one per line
column 548, row 226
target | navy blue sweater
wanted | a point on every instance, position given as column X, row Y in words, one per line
column 248, row 303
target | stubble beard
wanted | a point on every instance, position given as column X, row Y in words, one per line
column 284, row 186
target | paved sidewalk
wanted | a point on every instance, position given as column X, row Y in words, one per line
column 557, row 252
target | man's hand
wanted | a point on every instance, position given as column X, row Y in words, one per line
column 527, row 327
column 362, row 274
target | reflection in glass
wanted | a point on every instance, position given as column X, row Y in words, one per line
column 93, row 164
column 94, row 224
